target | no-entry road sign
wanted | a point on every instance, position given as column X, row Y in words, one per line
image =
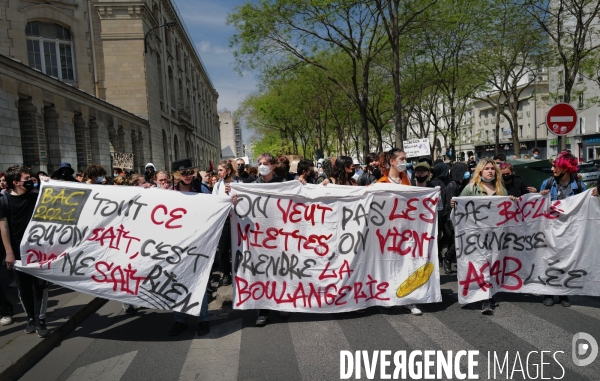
column 561, row 119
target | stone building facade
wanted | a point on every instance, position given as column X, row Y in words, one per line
column 163, row 106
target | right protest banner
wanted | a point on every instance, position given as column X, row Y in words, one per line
column 530, row 245
column 329, row 249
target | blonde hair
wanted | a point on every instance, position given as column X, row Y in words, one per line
column 120, row 180
column 498, row 186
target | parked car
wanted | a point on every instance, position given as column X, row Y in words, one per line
column 589, row 174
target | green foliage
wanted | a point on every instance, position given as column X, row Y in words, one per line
column 338, row 75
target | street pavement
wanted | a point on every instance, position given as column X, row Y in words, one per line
column 111, row 345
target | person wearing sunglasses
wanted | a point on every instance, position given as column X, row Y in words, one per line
column 186, row 181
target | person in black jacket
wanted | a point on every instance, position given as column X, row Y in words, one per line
column 514, row 184
column 422, row 176
column 64, row 172
column 459, row 178
column 440, row 174
column 372, row 173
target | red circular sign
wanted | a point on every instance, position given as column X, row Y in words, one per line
column 561, row 119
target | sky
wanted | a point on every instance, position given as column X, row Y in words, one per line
column 206, row 22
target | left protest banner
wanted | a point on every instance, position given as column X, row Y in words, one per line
column 306, row 248
column 146, row 247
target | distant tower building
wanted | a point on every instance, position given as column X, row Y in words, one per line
column 231, row 136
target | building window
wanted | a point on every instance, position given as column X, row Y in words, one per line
column 580, row 77
column 580, row 100
column 50, row 49
column 520, row 130
column 561, row 78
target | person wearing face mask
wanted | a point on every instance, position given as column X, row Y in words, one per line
column 422, row 176
column 149, row 172
column 372, row 172
column 16, row 209
column 486, row 181
column 306, row 171
column 536, row 154
column 563, row 184
column 95, row 174
column 266, row 165
column 393, row 165
column 285, row 165
column 515, row 186
column 459, row 179
column 242, row 174
column 342, row 172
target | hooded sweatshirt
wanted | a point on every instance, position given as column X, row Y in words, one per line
column 455, row 186
column 439, row 175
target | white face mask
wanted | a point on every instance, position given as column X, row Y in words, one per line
column 401, row 166
column 264, row 170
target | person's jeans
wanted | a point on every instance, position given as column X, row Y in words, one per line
column 225, row 248
column 33, row 293
column 6, row 308
column 181, row 317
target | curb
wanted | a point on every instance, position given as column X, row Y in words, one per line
column 27, row 361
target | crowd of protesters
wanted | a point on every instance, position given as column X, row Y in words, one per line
column 488, row 177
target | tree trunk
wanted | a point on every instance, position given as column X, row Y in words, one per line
column 515, row 136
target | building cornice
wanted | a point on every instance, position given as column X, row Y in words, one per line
column 64, row 3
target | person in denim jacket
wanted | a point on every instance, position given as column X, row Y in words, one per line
column 564, row 183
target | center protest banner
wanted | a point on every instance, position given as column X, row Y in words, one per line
column 331, row 248
column 530, row 245
column 146, row 247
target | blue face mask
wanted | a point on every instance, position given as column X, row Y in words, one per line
column 409, row 165
column 99, row 179
column 488, row 181
column 35, row 185
column 466, row 175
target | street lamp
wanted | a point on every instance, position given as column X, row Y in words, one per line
column 169, row 24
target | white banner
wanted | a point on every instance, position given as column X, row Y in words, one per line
column 532, row 245
column 416, row 147
column 335, row 248
column 146, row 247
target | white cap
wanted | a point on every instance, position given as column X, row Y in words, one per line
column 355, row 162
column 150, row 165
column 320, row 161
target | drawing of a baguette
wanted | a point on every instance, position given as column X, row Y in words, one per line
column 415, row 280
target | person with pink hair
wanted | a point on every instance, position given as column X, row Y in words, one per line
column 564, row 183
